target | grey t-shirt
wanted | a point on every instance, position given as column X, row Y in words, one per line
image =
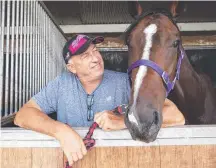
column 66, row 96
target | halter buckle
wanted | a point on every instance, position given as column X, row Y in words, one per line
column 165, row 78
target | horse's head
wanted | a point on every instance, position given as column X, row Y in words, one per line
column 155, row 54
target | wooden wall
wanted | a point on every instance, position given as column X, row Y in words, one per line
column 203, row 156
column 31, row 158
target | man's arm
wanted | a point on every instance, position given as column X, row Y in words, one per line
column 31, row 117
column 172, row 116
column 114, row 120
column 108, row 120
column 33, row 114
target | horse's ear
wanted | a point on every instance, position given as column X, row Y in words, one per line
column 173, row 8
column 138, row 8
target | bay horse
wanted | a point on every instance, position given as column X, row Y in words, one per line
column 159, row 68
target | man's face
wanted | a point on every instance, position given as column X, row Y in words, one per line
column 88, row 64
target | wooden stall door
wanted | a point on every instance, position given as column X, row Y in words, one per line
column 199, row 156
column 31, row 158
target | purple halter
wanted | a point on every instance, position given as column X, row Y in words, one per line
column 163, row 74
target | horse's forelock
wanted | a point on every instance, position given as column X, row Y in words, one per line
column 148, row 13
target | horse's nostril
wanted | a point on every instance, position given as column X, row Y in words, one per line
column 156, row 118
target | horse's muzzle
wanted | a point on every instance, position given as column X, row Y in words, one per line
column 144, row 128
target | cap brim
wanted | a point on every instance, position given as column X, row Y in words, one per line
column 97, row 40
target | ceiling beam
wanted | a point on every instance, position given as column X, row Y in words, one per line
column 116, row 28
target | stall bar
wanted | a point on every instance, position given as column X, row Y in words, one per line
column 186, row 146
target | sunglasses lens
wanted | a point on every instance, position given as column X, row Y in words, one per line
column 90, row 114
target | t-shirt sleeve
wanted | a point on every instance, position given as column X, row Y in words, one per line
column 128, row 88
column 47, row 98
column 125, row 91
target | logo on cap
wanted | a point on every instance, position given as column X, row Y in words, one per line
column 77, row 43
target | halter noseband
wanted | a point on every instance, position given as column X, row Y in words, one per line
column 163, row 74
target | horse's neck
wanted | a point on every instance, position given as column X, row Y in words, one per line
column 194, row 95
column 189, row 77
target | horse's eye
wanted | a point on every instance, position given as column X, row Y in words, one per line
column 176, row 43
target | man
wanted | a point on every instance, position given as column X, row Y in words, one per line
column 76, row 95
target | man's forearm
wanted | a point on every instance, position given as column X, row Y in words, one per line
column 34, row 119
column 123, row 126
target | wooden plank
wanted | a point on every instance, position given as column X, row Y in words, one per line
column 199, row 156
column 88, row 161
column 176, row 156
column 167, row 156
column 111, row 157
column 204, row 156
column 183, row 156
column 47, row 158
column 143, row 157
column 15, row 157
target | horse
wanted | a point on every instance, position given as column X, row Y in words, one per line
column 159, row 69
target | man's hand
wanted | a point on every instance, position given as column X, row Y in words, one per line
column 72, row 144
column 109, row 121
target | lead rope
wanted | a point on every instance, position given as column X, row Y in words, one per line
column 88, row 140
